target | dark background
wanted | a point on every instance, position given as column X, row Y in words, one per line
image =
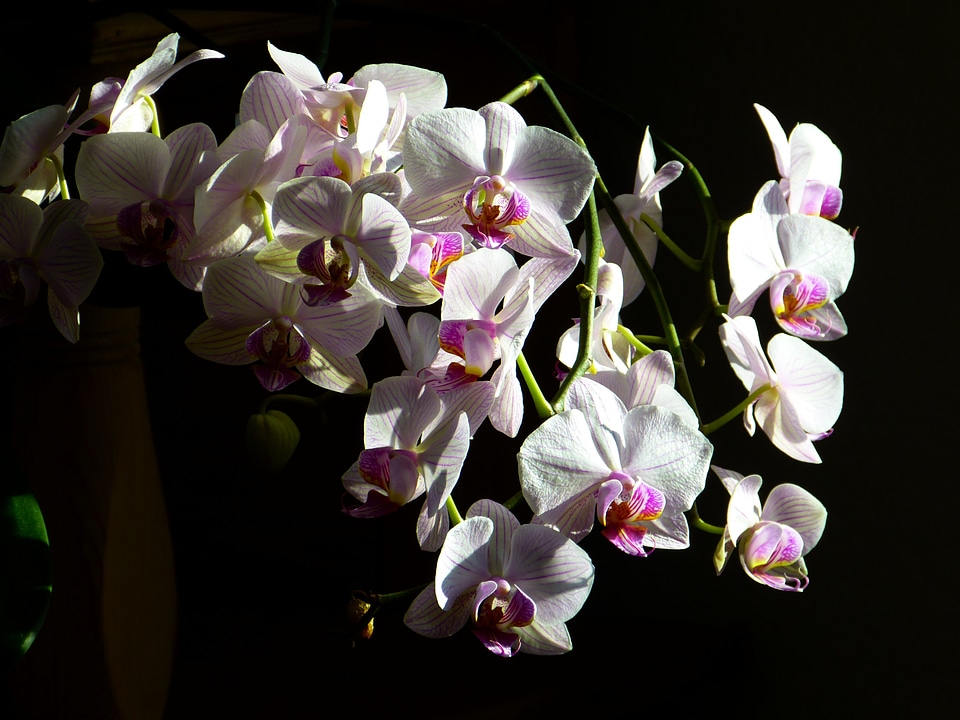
column 265, row 564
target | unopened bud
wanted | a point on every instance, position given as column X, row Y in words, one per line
column 271, row 439
column 356, row 610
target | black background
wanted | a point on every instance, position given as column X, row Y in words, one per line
column 265, row 564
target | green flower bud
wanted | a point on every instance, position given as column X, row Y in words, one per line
column 271, row 439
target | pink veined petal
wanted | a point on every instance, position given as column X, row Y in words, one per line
column 399, row 410
column 539, row 639
column 443, row 152
column 505, row 524
column 463, row 561
column 333, row 372
column 26, row 140
column 779, row 421
column 343, row 327
column 71, row 263
column 817, row 246
column 813, row 383
column 667, row 454
column 424, row 90
column 796, row 508
column 119, row 169
column 305, row 209
column 383, row 236
column 559, row 461
column 302, row 71
column 212, row 341
column 20, row 223
column 426, row 617
column 778, row 138
column 271, row 99
column 743, row 511
column 553, row 571
column 506, row 413
column 237, row 293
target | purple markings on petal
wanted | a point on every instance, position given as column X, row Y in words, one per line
column 624, row 515
column 832, row 200
column 794, row 297
column 493, row 204
column 151, row 230
column 771, row 553
column 280, row 348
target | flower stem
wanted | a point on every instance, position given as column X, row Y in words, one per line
column 155, row 121
column 61, row 178
column 708, row 428
column 697, row 522
column 588, row 296
column 638, row 345
column 544, row 410
column 655, row 290
column 455, row 517
column 690, row 262
column 265, row 212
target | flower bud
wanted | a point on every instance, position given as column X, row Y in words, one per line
column 271, row 439
column 356, row 611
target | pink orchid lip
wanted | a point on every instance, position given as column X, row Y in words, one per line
column 794, row 296
column 623, row 505
column 493, row 204
column 280, row 348
column 151, row 230
column 772, row 553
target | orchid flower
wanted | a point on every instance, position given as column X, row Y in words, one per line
column 809, row 165
column 645, row 200
column 804, row 262
column 48, row 245
column 516, row 585
column 331, row 103
column 490, row 174
column 123, row 104
column 772, row 541
column 141, row 193
column 610, row 350
column 805, row 393
column 27, row 145
column 472, row 327
column 331, row 228
column 415, row 442
column 257, row 318
column 635, row 471
column 231, row 205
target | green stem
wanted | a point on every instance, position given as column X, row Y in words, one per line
column 654, row 289
column 715, row 225
column 695, row 520
column 708, row 428
column 265, row 212
column 455, row 517
column 588, row 297
column 155, row 122
column 296, row 399
column 698, row 357
column 690, row 262
column 522, row 90
column 539, row 399
column 61, row 178
column 514, row 501
column 634, row 340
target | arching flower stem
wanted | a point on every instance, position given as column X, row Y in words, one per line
column 709, row 427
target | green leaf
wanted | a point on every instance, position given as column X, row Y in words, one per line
column 25, row 584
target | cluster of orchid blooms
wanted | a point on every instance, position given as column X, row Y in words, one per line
column 334, row 204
